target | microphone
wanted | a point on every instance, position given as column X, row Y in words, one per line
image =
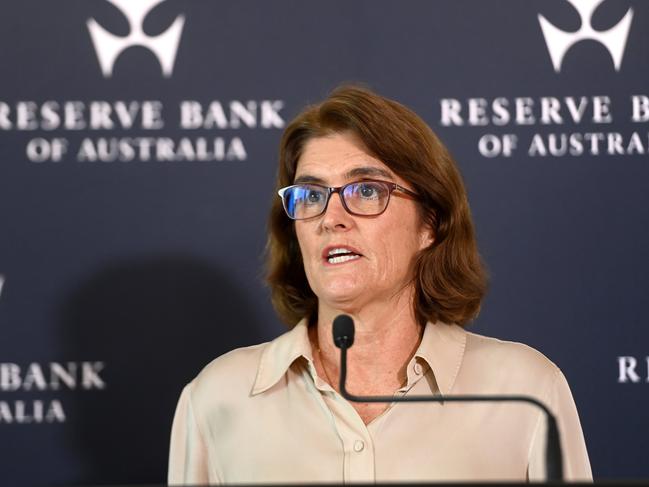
column 343, row 335
column 343, row 331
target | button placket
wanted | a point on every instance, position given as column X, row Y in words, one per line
column 358, row 463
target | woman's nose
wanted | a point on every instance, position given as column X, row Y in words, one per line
column 336, row 216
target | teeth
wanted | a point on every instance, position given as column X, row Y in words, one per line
column 339, row 251
column 342, row 258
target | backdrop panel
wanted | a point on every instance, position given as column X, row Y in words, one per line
column 138, row 148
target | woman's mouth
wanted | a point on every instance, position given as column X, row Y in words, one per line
column 340, row 255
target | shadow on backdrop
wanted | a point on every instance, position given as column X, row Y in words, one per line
column 155, row 323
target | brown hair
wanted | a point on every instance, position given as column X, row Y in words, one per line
column 450, row 280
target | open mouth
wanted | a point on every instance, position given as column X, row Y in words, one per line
column 341, row 255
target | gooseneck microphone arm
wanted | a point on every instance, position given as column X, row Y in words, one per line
column 343, row 333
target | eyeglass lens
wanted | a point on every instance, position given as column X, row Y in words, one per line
column 362, row 198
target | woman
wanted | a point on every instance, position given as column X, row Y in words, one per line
column 372, row 221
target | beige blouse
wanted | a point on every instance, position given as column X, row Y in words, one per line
column 261, row 414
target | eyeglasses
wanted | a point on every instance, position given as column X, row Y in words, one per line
column 361, row 198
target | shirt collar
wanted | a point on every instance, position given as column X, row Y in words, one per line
column 442, row 348
column 280, row 354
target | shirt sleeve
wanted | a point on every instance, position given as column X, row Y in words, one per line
column 576, row 466
column 188, row 455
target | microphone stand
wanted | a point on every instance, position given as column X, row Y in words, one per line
column 553, row 457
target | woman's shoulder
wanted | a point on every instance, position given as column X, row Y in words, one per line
column 504, row 351
column 243, row 372
column 233, row 372
column 509, row 361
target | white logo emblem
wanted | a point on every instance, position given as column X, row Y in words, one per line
column 559, row 42
column 110, row 46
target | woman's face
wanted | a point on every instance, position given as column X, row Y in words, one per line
column 385, row 244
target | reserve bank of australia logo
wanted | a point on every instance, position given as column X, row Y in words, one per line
column 560, row 42
column 109, row 46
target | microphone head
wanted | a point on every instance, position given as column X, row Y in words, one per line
column 343, row 331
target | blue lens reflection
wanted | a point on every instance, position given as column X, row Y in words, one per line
column 304, row 201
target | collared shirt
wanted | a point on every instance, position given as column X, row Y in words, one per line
column 262, row 414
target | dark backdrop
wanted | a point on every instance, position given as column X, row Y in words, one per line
column 130, row 270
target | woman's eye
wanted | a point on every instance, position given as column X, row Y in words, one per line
column 367, row 191
column 314, row 196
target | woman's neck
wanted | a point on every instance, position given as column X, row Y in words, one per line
column 386, row 337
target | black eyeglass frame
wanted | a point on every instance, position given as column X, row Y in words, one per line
column 340, row 190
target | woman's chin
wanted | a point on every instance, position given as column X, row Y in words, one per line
column 340, row 297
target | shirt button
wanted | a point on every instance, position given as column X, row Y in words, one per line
column 418, row 368
column 359, row 445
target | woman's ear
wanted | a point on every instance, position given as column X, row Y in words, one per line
column 427, row 237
